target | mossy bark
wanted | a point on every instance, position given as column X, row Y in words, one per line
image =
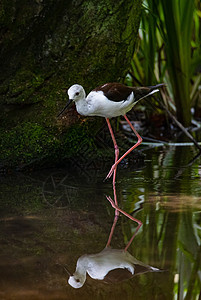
column 47, row 46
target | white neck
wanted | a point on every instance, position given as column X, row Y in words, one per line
column 81, row 106
column 81, row 268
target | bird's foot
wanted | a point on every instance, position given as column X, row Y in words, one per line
column 110, row 172
column 112, row 203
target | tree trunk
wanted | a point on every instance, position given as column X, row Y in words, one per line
column 46, row 46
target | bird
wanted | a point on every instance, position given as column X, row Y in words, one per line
column 110, row 100
column 109, row 265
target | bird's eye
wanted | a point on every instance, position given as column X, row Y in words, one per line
column 77, row 93
column 77, row 280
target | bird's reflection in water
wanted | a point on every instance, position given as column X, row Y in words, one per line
column 110, row 265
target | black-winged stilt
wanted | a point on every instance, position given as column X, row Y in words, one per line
column 110, row 100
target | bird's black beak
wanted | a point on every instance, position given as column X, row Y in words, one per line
column 67, row 105
column 67, row 271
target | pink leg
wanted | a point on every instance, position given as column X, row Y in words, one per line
column 112, row 230
column 127, row 215
column 116, row 151
column 131, row 149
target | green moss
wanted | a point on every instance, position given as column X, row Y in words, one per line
column 78, row 140
column 25, row 143
column 22, row 87
column 31, row 144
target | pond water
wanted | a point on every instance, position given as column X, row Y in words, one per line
column 52, row 217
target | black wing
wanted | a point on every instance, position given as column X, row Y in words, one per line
column 119, row 92
column 115, row 91
column 117, row 275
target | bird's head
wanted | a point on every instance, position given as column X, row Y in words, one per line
column 77, row 280
column 75, row 92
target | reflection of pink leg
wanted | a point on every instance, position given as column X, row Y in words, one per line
column 127, row 215
column 115, row 199
column 112, row 230
column 131, row 149
column 115, row 148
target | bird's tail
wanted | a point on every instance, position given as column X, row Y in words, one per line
column 157, row 86
column 152, row 269
column 143, row 92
